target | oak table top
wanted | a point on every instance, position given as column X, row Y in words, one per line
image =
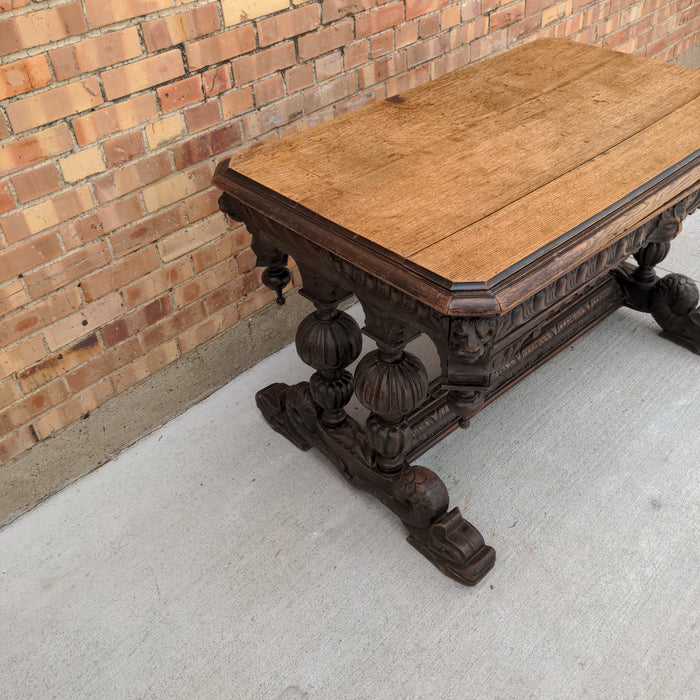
column 466, row 181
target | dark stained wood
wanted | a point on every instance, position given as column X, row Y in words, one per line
column 495, row 211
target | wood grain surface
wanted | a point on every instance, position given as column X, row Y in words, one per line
column 474, row 172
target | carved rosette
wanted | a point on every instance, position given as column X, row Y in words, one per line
column 328, row 340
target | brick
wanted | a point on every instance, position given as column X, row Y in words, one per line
column 263, row 63
column 287, row 24
column 144, row 232
column 100, row 13
column 523, row 28
column 414, row 78
column 337, row 9
column 6, row 200
column 325, row 40
column 426, row 50
column 569, row 26
column 323, row 115
column 6, row 5
column 405, row 34
column 158, row 282
column 237, row 11
column 509, row 15
column 450, row 16
column 22, row 76
column 269, row 89
column 132, row 177
column 415, row 8
column 219, row 48
column 41, row 27
column 170, row 327
column 488, row 6
column 37, row 110
column 180, row 93
column 143, row 74
column 77, row 407
column 70, row 268
column 145, row 366
column 202, row 116
column 135, row 321
column 8, row 393
column 53, row 211
column 201, row 205
column 82, row 164
column 113, row 277
column 124, row 148
column 115, row 118
column 29, row 408
column 164, row 131
column 378, row 20
column 328, row 93
column 39, row 314
column 18, row 259
column 4, row 130
column 18, row 442
column 84, row 322
column 101, row 222
column 493, row 43
column 176, row 187
column 12, row 296
column 89, row 55
column 272, row 117
column 216, row 80
column 361, row 99
column 466, row 33
column 21, row 356
column 255, row 301
column 215, row 324
column 246, row 260
column 380, row 70
column 199, row 148
column 224, row 248
column 328, row 66
column 189, row 239
column 236, row 103
column 177, row 29
column 428, row 26
column 222, row 274
column 36, row 183
column 58, row 364
column 471, row 9
column 299, row 77
column 381, row 44
column 104, row 364
column 555, row 13
column 355, row 54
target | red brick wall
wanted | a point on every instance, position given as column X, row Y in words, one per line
column 113, row 258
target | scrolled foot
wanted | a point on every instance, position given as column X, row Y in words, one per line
column 289, row 411
column 455, row 547
column 674, row 306
column 452, row 544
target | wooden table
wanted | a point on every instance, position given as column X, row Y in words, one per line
column 494, row 210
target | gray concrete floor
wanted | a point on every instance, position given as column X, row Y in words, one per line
column 213, row 560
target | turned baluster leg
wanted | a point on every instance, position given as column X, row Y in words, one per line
column 329, row 340
column 392, row 383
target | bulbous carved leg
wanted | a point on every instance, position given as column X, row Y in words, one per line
column 392, row 383
column 674, row 305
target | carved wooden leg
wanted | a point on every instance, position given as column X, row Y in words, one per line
column 392, row 383
column 673, row 299
column 327, row 340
